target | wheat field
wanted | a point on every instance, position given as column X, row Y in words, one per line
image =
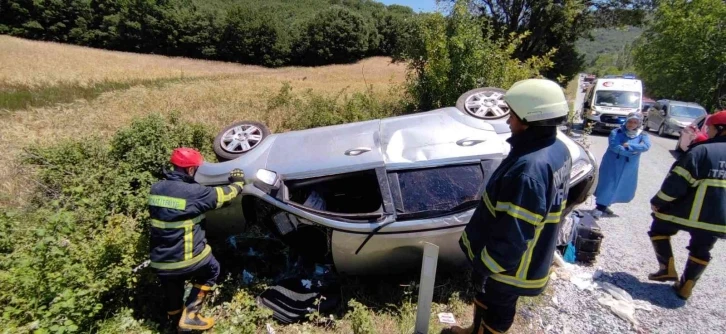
column 214, row 93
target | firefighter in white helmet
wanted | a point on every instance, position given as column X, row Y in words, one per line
column 510, row 239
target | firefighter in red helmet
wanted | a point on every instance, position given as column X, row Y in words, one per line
column 692, row 199
column 179, row 249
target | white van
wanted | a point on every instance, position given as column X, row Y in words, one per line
column 609, row 101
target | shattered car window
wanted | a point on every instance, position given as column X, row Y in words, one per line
column 437, row 189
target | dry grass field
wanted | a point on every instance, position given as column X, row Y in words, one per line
column 50, row 92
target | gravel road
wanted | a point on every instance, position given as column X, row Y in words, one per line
column 626, row 259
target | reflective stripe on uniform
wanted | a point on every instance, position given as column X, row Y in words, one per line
column 180, row 224
column 555, row 217
column 168, row 202
column 489, row 262
column 519, row 213
column 527, row 256
column 489, row 205
column 665, row 197
column 686, row 175
column 182, row 264
column 521, row 283
column 188, row 242
column 465, row 240
column 691, row 223
column 224, row 198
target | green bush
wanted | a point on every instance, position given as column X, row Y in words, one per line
column 67, row 260
column 450, row 55
column 336, row 35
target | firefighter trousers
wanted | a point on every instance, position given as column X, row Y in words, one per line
column 173, row 285
column 499, row 307
column 700, row 244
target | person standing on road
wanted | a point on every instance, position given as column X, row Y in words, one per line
column 179, row 249
column 510, row 239
column 618, row 176
column 692, row 199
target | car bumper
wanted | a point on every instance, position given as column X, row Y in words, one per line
column 673, row 130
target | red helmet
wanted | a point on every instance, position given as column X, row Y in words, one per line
column 700, row 137
column 186, row 157
column 718, row 118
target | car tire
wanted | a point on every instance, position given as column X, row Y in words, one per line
column 661, row 130
column 494, row 103
column 226, row 150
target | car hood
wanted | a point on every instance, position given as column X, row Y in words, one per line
column 432, row 137
column 684, row 120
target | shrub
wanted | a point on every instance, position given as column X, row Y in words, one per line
column 360, row 318
column 72, row 252
column 450, row 55
column 336, row 35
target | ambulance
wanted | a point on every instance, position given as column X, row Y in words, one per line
column 608, row 102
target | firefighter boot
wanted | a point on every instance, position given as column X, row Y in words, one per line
column 479, row 309
column 694, row 268
column 191, row 319
column 664, row 254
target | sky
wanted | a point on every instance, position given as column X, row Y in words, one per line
column 416, row 5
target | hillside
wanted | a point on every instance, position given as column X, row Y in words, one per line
column 62, row 92
column 606, row 42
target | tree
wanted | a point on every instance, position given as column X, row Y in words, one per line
column 682, row 54
column 450, row 55
column 557, row 24
column 336, row 35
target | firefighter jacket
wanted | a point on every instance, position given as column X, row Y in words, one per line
column 512, row 234
column 693, row 194
column 177, row 206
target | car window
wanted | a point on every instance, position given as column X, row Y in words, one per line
column 687, row 111
column 351, row 193
column 614, row 98
column 436, row 190
column 701, row 123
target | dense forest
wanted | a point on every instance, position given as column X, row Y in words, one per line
column 270, row 33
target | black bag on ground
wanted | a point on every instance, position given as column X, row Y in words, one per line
column 290, row 301
column 587, row 237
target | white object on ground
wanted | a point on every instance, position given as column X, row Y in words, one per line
column 447, row 318
column 616, row 292
column 583, row 281
column 270, row 330
column 621, row 308
column 426, row 287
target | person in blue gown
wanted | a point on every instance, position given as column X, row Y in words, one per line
column 618, row 177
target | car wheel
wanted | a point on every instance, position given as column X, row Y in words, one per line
column 484, row 103
column 661, row 130
column 238, row 139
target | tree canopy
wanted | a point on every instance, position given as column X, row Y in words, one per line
column 682, row 54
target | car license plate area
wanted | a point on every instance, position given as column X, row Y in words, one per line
column 610, row 125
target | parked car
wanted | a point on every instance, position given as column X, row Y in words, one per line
column 364, row 196
column 689, row 133
column 669, row 117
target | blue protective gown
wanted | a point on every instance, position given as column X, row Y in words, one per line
column 618, row 177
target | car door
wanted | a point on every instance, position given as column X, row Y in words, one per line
column 662, row 115
column 654, row 115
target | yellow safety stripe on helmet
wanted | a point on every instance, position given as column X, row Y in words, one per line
column 489, row 262
column 465, row 240
column 168, row 202
column 521, row 283
column 519, row 212
column 489, row 204
column 223, row 198
column 180, row 224
column 182, row 264
column 665, row 197
column 685, row 174
column 690, row 223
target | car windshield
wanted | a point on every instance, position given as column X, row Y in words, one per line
column 615, row 98
column 687, row 112
column 436, row 190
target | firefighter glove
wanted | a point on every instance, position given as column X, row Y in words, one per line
column 236, row 175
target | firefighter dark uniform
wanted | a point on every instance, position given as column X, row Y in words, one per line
column 179, row 249
column 511, row 237
column 692, row 199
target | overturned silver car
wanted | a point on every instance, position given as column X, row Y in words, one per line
column 365, row 196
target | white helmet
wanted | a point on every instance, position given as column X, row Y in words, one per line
column 538, row 102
